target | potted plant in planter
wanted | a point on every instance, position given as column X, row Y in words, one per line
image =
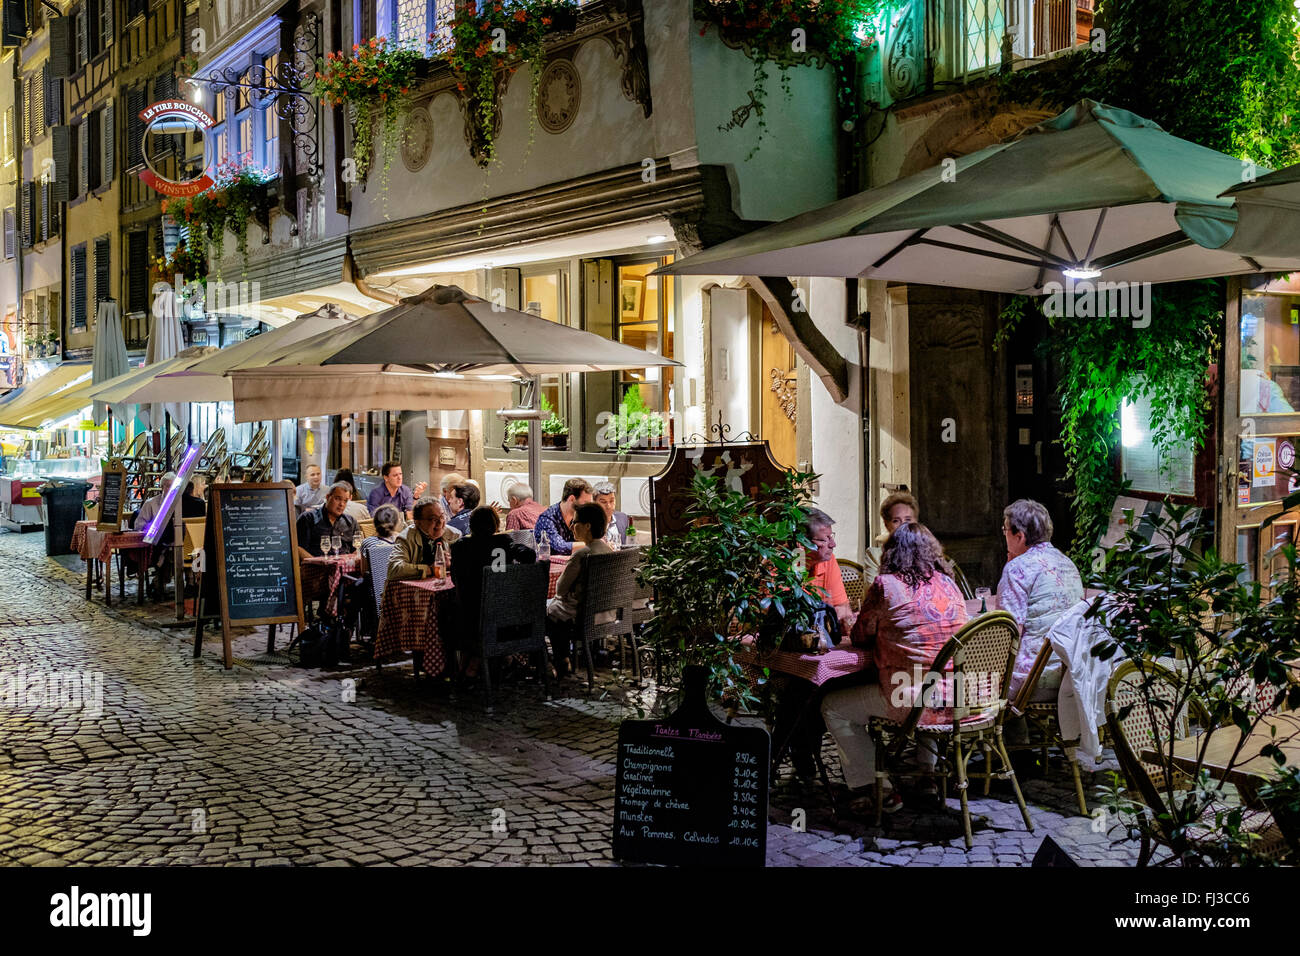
column 555, row 434
column 635, row 426
column 240, row 194
column 517, row 433
column 740, row 561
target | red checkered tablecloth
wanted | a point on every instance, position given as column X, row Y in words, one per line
column 840, row 661
column 101, row 544
column 322, row 576
column 410, row 617
column 79, row 543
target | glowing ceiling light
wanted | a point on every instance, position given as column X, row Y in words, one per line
column 1081, row 273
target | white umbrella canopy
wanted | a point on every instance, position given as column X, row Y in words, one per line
column 110, row 352
column 124, row 391
column 1096, row 190
column 165, row 341
column 446, row 329
column 207, row 380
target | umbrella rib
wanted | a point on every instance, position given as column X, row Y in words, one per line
column 985, row 231
column 1144, row 250
column 914, row 238
column 981, row 252
column 1096, row 233
column 1060, row 231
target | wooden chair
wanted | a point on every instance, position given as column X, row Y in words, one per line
column 1043, row 718
column 1138, row 704
column 855, row 582
column 512, row 617
column 193, row 540
column 609, row 596
column 982, row 655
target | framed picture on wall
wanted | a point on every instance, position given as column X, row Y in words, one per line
column 631, row 295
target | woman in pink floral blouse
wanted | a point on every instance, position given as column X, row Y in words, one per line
column 910, row 612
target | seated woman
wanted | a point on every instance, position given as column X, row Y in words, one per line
column 1038, row 585
column 899, row 508
column 483, row 548
column 911, row 611
column 356, row 508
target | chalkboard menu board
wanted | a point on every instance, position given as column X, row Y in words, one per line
column 256, row 560
column 112, row 492
column 691, row 790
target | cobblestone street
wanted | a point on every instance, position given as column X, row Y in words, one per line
column 269, row 764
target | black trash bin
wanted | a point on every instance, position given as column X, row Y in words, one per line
column 64, row 500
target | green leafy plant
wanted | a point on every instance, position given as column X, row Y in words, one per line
column 741, row 559
column 374, row 84
column 634, row 426
column 238, row 196
column 1189, row 618
column 489, row 37
column 552, row 424
column 790, row 33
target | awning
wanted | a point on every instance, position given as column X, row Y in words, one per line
column 16, row 406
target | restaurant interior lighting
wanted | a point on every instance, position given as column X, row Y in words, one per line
column 659, row 237
column 1130, row 434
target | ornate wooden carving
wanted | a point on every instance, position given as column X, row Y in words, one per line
column 902, row 62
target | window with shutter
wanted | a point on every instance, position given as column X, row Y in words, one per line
column 135, row 102
column 11, row 238
column 62, row 50
column 53, row 98
column 95, row 145
column 8, row 145
column 134, row 8
column 106, row 24
column 103, row 272
column 38, row 105
column 137, row 263
column 164, row 86
column 27, row 193
column 61, row 188
column 44, row 196
column 108, row 117
column 83, row 36
column 27, row 109
column 15, row 23
column 83, row 156
column 79, row 287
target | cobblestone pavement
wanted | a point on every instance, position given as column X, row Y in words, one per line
column 268, row 764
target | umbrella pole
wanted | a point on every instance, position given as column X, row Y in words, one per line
column 277, row 466
column 535, row 444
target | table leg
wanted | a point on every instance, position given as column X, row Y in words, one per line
column 141, row 580
column 90, row 576
column 108, row 581
column 270, row 638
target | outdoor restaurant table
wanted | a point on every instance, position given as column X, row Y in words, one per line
column 1250, row 769
column 79, row 543
column 410, row 617
column 99, row 546
column 321, row 578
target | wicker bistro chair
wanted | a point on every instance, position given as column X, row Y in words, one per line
column 855, row 582
column 959, row 576
column 609, row 602
column 512, row 617
column 1043, row 718
column 1138, row 702
column 986, row 646
column 523, row 536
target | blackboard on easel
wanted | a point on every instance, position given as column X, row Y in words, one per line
column 251, row 556
column 112, row 494
column 691, row 790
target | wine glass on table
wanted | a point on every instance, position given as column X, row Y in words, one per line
column 326, row 545
column 983, row 594
column 337, row 541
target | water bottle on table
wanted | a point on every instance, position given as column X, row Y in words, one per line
column 543, row 547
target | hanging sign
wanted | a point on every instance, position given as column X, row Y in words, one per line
column 173, row 116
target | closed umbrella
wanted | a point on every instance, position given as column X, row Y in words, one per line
column 1095, row 192
column 110, row 353
column 165, row 340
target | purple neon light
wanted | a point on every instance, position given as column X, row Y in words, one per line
column 160, row 520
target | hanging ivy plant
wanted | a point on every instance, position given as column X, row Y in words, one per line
column 790, row 33
column 489, row 37
column 374, row 84
column 238, row 195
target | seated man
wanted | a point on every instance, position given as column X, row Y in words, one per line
column 524, row 511
column 826, row 581
column 483, row 548
column 311, row 493
column 392, row 492
column 425, row 540
column 616, row 521
column 556, row 522
column 149, row 510
column 464, row 499
column 329, row 519
column 561, row 610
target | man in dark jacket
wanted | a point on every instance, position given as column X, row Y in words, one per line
column 482, row 548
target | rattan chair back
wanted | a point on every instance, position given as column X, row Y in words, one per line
column 609, row 594
column 512, row 610
column 855, row 582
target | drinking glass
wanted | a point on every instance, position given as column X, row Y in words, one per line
column 983, row 594
column 326, row 545
column 337, row 541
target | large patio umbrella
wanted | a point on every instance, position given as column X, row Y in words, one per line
column 165, row 341
column 17, row 404
column 110, row 353
column 1095, row 192
column 1264, row 219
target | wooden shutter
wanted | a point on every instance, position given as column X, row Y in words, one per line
column 110, row 143
column 83, row 156
column 29, row 197
column 15, row 22
column 11, row 234
column 53, row 96
column 106, row 23
column 103, row 271
column 164, row 86
column 84, row 25
column 79, row 287
column 27, row 108
column 137, row 261
column 38, row 103
column 61, row 146
column 62, row 50
column 134, row 127
column 9, row 146
column 45, row 203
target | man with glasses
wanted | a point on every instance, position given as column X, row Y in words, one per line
column 326, row 521
column 425, row 542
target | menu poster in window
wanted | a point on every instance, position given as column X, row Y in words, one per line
column 254, row 531
column 691, row 790
column 1164, row 471
column 112, row 493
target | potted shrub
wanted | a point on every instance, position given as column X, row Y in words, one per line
column 741, row 560
column 517, row 433
column 240, row 194
column 1228, row 643
column 635, row 426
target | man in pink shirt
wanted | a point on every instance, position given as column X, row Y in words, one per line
column 523, row 509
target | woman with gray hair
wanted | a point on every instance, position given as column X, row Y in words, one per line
column 1038, row 585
